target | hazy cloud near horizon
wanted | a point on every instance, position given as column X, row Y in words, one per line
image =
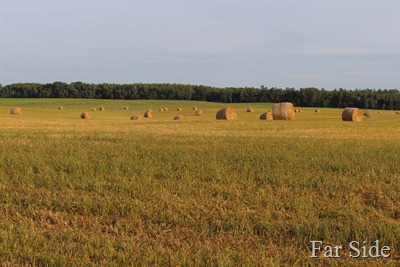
column 289, row 43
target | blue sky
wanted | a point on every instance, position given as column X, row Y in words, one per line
column 283, row 43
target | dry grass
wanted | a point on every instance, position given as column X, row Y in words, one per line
column 109, row 192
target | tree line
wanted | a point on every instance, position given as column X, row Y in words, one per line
column 303, row 97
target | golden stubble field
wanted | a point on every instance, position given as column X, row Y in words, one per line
column 199, row 192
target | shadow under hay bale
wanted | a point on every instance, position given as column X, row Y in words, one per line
column 85, row 115
column 226, row 114
column 267, row 116
column 16, row 111
column 352, row 114
column 283, row 111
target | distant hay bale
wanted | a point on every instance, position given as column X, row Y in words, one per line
column 300, row 111
column 283, row 111
column 368, row 114
column 317, row 110
column 165, row 109
column 148, row 114
column 161, row 109
column 397, row 112
column 352, row 114
column 102, row 109
column 198, row 112
column 179, row 109
column 250, row 109
column 267, row 116
column 61, row 108
column 226, row 114
column 149, row 110
column 16, row 111
column 179, row 118
column 85, row 115
column 194, row 108
column 126, row 108
column 93, row 109
column 136, row 117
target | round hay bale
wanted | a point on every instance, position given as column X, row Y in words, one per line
column 194, row 108
column 148, row 114
column 16, row 111
column 165, row 109
column 85, row 115
column 136, row 117
column 93, row 109
column 352, row 114
column 250, row 109
column 283, row 111
column 161, row 109
column 267, row 116
column 179, row 118
column 102, row 109
column 226, row 114
column 300, row 111
column 198, row 112
column 397, row 112
column 61, row 108
column 317, row 110
column 126, row 108
column 179, row 109
column 368, row 114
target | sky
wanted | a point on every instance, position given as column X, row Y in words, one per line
column 352, row 44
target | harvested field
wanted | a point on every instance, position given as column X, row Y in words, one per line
column 155, row 192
